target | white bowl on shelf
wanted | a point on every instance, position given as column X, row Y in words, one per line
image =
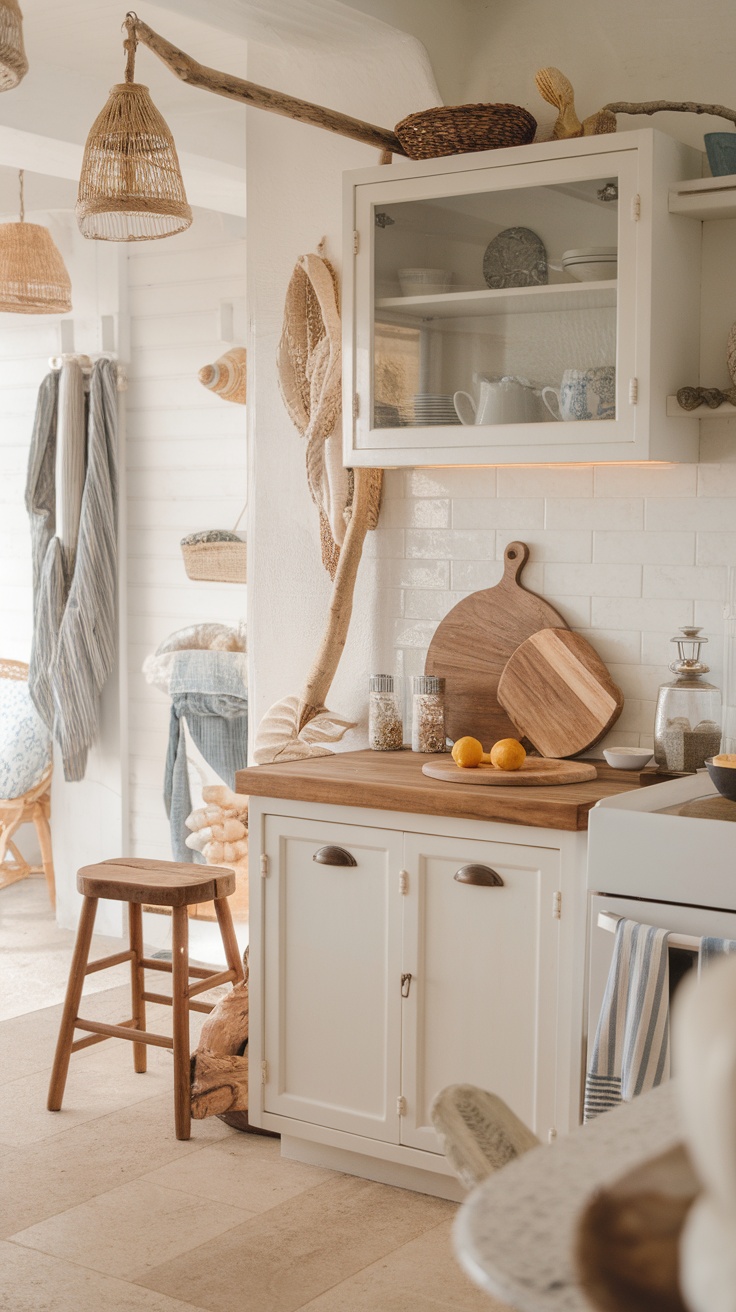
column 628, row 758
column 592, row 263
column 424, row 282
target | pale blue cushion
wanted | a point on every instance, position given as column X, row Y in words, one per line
column 25, row 742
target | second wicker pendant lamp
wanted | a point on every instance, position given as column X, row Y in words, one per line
column 33, row 276
column 131, row 188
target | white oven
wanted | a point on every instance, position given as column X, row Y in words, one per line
column 649, row 862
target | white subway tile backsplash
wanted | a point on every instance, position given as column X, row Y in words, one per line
column 717, row 480
column 430, row 605
column 712, row 514
column 470, row 575
column 595, row 580
column 615, row 646
column 394, row 573
column 657, row 649
column 639, row 681
column 475, row 513
column 548, row 545
column 600, row 513
column 479, row 482
column 642, row 613
column 646, row 480
column 717, row 548
column 645, row 548
column 701, row 582
column 545, row 481
column 452, row 544
column 424, row 512
column 417, row 633
column 575, row 611
column 385, row 542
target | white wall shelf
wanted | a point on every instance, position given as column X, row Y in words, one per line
column 705, row 198
column 516, row 300
column 676, row 411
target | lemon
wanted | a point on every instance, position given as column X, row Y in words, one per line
column 468, row 753
column 507, row 754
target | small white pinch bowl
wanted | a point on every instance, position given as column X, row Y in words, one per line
column 628, row 758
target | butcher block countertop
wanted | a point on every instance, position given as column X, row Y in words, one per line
column 393, row 781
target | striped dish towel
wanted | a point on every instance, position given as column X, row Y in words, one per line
column 631, row 1052
column 713, row 948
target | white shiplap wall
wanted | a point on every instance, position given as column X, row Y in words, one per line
column 185, row 470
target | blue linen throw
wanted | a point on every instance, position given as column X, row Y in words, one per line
column 631, row 1051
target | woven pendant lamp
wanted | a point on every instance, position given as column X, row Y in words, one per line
column 13, row 62
column 33, row 276
column 131, row 187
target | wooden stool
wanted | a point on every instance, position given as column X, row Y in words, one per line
column 155, row 883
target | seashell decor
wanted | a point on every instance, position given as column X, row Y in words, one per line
column 226, row 376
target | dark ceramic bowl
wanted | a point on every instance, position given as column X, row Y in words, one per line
column 724, row 778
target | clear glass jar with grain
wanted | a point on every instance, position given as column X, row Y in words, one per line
column 385, row 725
column 428, row 714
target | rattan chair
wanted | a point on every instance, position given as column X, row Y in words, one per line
column 478, row 1132
column 31, row 807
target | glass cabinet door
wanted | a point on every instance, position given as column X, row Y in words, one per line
column 494, row 308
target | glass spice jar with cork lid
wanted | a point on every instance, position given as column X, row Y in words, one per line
column 385, row 725
column 428, row 714
column 687, row 721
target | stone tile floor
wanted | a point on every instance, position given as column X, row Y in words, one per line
column 103, row 1210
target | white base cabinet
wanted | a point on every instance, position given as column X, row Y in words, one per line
column 387, row 963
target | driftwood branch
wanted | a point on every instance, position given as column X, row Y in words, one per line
column 249, row 93
column 678, row 106
column 333, row 642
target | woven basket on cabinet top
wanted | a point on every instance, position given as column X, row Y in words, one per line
column 216, row 562
column 456, row 129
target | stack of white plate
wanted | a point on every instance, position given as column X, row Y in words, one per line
column 433, row 408
column 592, row 263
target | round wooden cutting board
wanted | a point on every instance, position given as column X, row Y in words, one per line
column 472, row 644
column 535, row 770
column 559, row 693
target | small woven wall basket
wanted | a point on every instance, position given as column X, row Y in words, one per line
column 216, row 562
column 456, row 129
column 13, row 62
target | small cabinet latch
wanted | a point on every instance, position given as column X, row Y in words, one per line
column 636, row 208
column 356, row 242
column 551, row 1134
column 405, row 985
column 356, row 406
column 403, row 881
column 557, row 905
column 633, row 391
column 401, row 1105
column 264, row 866
column 264, row 1072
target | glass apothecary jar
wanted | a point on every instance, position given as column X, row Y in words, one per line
column 687, row 722
column 385, row 725
column 428, row 714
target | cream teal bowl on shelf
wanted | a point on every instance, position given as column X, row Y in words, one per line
column 720, row 147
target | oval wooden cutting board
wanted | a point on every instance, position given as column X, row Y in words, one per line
column 535, row 770
column 472, row 644
column 559, row 693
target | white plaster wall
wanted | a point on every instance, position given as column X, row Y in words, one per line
column 627, row 556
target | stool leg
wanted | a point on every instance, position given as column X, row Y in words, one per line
column 137, row 982
column 41, row 820
column 180, row 1008
column 230, row 942
column 71, row 1004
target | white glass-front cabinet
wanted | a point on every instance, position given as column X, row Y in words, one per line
column 479, row 326
column 398, row 963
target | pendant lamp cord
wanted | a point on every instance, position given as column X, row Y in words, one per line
column 22, row 196
column 130, row 44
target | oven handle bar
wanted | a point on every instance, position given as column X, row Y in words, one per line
column 688, row 942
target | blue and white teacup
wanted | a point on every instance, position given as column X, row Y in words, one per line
column 584, row 394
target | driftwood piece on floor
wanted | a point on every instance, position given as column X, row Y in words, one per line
column 220, row 1064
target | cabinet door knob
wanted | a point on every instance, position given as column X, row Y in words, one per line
column 334, row 856
column 405, row 985
column 482, row 875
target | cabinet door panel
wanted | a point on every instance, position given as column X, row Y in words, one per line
column 482, row 1005
column 332, row 952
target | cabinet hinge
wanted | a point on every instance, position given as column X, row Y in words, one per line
column 264, row 1072
column 356, row 406
column 633, row 391
column 401, row 1105
column 636, row 208
column 551, row 1134
column 403, row 881
column 557, row 905
column 264, row 866
column 356, row 242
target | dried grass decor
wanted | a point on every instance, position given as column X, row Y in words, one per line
column 13, row 62
column 131, row 188
column 33, row 276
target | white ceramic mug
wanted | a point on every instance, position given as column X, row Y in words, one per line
column 584, row 394
column 500, row 401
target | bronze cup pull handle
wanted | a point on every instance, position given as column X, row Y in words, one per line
column 483, row 876
column 334, row 856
